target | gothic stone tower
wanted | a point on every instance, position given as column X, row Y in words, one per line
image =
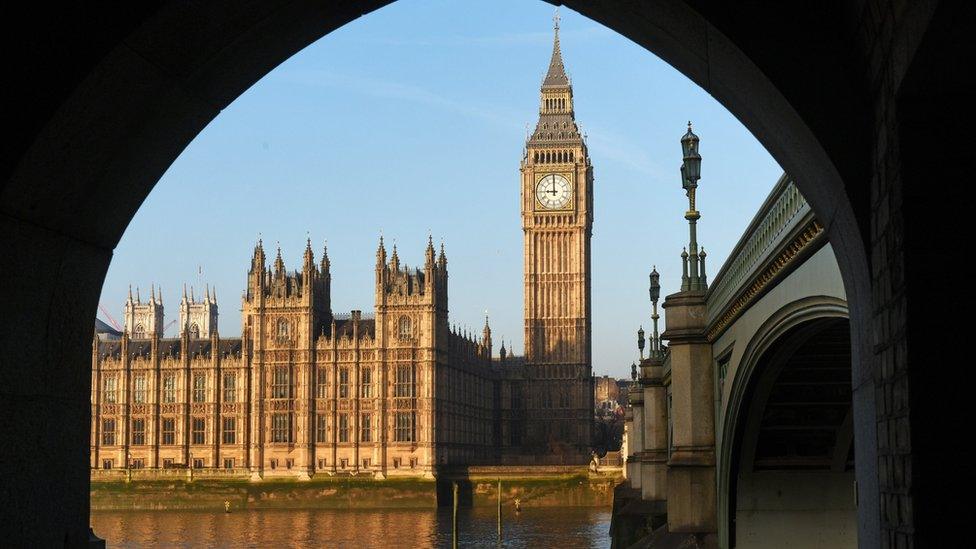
column 557, row 221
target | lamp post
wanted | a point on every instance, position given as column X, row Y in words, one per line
column 655, row 293
column 690, row 174
column 640, row 341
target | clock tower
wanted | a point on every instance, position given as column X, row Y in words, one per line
column 557, row 221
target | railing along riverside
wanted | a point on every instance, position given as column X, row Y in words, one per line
column 782, row 211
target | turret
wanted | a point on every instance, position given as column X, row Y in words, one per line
column 486, row 336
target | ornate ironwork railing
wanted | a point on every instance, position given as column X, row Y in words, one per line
column 784, row 209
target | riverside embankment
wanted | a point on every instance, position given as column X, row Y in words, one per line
column 345, row 492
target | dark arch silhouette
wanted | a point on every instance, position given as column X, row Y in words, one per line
column 849, row 98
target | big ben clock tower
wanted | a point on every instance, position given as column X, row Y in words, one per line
column 557, row 221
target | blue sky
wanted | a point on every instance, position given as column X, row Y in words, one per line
column 384, row 124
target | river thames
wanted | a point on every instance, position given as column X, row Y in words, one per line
column 565, row 528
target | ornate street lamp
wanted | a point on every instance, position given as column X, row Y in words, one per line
column 640, row 341
column 655, row 292
column 690, row 174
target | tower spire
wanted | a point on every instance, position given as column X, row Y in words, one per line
column 556, row 76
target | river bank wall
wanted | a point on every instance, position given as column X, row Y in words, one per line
column 475, row 490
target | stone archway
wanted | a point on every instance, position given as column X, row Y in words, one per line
column 787, row 463
column 110, row 97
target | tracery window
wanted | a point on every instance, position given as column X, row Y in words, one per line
column 110, row 389
column 404, row 383
column 138, row 431
column 139, row 332
column 198, row 430
column 194, row 331
column 365, row 428
column 139, row 388
column 343, row 427
column 230, row 387
column 108, row 432
column 229, row 430
column 405, row 330
column 321, row 429
column 199, row 387
column 343, row 382
column 322, row 383
column 366, row 383
column 281, row 428
column 404, row 423
column 281, row 383
column 169, row 431
column 282, row 328
column 169, row 387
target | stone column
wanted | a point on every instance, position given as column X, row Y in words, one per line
column 691, row 487
column 636, row 439
column 654, row 457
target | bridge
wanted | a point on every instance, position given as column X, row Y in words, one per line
column 741, row 427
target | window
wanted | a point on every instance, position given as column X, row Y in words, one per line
column 198, row 463
column 230, row 387
column 322, row 383
column 110, row 389
column 273, row 464
column 194, row 331
column 140, row 332
column 396, row 463
column 228, row 463
column 366, row 429
column 322, row 464
column 365, row 463
column 343, row 427
column 413, row 463
column 321, row 428
column 281, row 384
column 139, row 388
column 281, row 428
column 405, row 330
column 198, row 431
column 289, row 463
column 167, row 464
column 343, row 382
column 404, row 427
column 169, row 431
column 108, row 432
column 403, row 386
column 169, row 387
column 282, row 328
column 199, row 387
column 106, row 464
column 343, row 463
column 139, row 463
column 229, row 430
column 366, row 382
column 138, row 432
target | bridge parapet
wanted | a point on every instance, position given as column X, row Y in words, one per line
column 784, row 213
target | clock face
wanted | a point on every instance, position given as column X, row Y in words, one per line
column 553, row 191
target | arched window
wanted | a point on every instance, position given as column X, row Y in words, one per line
column 405, row 330
column 194, row 330
column 282, row 328
column 140, row 332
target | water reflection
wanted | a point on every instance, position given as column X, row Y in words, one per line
column 554, row 527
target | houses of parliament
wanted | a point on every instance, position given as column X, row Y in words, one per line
column 396, row 392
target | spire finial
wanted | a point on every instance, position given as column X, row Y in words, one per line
column 555, row 20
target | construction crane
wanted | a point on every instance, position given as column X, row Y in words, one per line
column 171, row 322
column 109, row 317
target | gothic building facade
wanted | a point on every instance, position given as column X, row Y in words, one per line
column 303, row 390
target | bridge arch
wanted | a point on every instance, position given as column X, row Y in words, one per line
column 97, row 123
column 806, row 490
